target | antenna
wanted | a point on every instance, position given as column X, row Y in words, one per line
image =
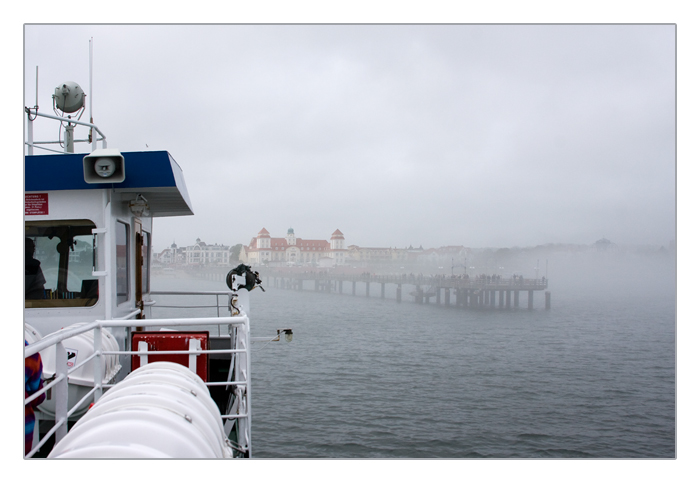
column 90, row 66
column 92, row 138
column 36, row 101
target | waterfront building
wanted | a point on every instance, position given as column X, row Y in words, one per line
column 372, row 255
column 445, row 255
column 290, row 250
column 171, row 256
column 201, row 254
column 604, row 245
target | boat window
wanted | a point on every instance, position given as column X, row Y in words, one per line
column 146, row 257
column 58, row 264
column 122, row 239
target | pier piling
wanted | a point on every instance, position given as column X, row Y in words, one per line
column 480, row 293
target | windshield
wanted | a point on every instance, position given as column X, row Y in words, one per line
column 58, row 264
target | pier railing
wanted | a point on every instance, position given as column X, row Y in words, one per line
column 482, row 291
column 490, row 283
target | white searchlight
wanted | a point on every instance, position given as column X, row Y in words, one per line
column 69, row 97
column 104, row 166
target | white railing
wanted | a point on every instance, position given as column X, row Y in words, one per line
column 240, row 353
column 31, row 144
column 218, row 305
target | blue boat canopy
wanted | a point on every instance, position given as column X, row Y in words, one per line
column 153, row 174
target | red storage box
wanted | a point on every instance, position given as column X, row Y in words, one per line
column 172, row 341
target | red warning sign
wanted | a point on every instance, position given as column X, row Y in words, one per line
column 36, row 204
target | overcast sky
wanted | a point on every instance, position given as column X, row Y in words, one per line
column 432, row 135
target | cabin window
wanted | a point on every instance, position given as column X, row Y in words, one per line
column 121, row 235
column 58, row 264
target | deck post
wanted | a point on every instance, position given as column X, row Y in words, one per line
column 447, row 297
column 516, row 298
column 61, row 390
column 508, row 298
column 547, row 300
column 530, row 297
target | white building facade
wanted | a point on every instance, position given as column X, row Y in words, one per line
column 171, row 256
column 290, row 250
column 207, row 255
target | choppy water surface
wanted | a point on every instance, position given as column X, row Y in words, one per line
column 594, row 377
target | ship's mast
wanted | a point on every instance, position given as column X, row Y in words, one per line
column 93, row 139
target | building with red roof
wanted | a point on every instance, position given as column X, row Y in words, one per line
column 290, row 250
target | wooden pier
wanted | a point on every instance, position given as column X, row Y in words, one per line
column 479, row 292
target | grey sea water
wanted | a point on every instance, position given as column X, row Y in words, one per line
column 594, row 377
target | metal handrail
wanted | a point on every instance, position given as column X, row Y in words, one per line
column 85, row 361
column 182, row 352
column 44, row 389
column 73, row 121
column 50, row 433
column 63, row 413
column 216, row 293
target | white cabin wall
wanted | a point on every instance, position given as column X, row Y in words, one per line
column 91, row 204
column 71, row 205
column 121, row 213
